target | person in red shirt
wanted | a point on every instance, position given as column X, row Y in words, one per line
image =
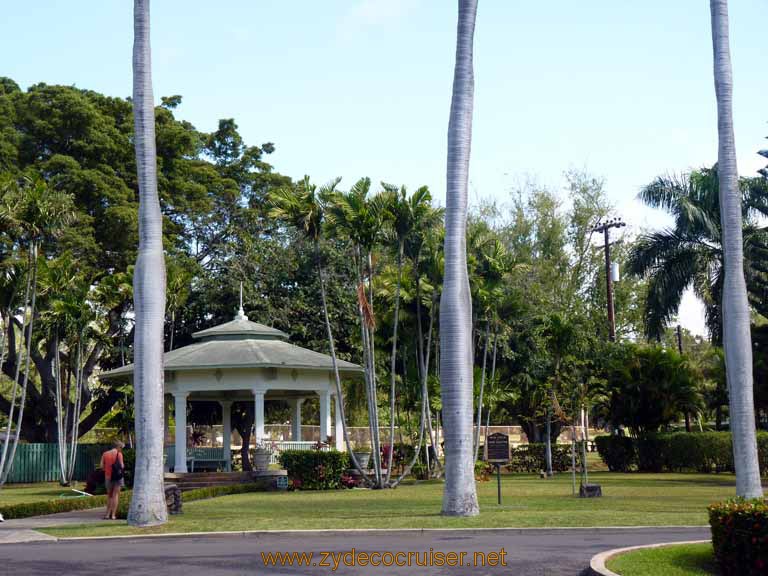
column 108, row 458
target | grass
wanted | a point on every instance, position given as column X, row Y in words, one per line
column 679, row 560
column 629, row 500
column 12, row 494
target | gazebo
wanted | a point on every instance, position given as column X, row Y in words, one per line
column 246, row 361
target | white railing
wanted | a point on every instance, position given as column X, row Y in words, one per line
column 293, row 445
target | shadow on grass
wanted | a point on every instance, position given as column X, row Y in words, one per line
column 691, row 560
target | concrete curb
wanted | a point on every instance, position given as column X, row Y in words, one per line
column 343, row 531
column 597, row 563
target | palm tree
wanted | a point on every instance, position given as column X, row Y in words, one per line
column 402, row 214
column 691, row 254
column 359, row 218
column 67, row 318
column 148, row 501
column 303, row 207
column 493, row 263
column 459, row 495
column 39, row 214
column 736, row 334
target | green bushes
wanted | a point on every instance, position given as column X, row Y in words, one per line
column 70, row 504
column 618, row 452
column 740, row 536
column 43, row 507
column 198, row 494
column 531, row 458
column 314, row 469
column 676, row 452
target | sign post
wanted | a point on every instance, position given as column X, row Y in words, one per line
column 497, row 446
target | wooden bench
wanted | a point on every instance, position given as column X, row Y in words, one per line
column 197, row 456
column 206, row 456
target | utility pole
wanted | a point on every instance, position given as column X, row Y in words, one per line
column 605, row 228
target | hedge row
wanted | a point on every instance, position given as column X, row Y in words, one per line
column 740, row 536
column 200, row 494
column 314, row 469
column 43, row 507
column 700, row 451
column 531, row 458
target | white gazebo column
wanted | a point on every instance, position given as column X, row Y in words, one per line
column 166, row 418
column 166, row 430
column 226, row 421
column 296, row 419
column 258, row 414
column 325, row 414
column 339, row 424
column 180, row 466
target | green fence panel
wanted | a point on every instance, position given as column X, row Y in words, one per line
column 40, row 462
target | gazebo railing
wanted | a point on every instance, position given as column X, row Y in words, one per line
column 294, row 445
column 207, row 453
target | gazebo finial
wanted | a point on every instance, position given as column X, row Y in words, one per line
column 241, row 313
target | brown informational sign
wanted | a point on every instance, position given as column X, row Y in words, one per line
column 498, row 447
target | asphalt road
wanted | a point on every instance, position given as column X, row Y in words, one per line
column 528, row 552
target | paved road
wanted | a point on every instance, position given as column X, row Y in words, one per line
column 528, row 552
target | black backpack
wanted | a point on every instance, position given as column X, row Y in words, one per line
column 117, row 469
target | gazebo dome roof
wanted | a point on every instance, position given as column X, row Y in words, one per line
column 240, row 329
column 238, row 344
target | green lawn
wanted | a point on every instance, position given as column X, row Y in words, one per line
column 629, row 500
column 680, row 560
column 25, row 493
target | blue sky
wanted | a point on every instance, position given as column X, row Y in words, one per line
column 352, row 88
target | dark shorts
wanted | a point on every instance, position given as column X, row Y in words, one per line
column 110, row 484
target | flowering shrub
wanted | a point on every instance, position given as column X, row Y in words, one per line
column 313, row 469
column 349, row 481
column 740, row 536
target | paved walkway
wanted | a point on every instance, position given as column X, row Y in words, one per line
column 528, row 552
column 23, row 529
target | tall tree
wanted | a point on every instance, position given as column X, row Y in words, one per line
column 303, row 207
column 359, row 218
column 690, row 254
column 736, row 334
column 148, row 500
column 459, row 495
column 405, row 216
column 40, row 214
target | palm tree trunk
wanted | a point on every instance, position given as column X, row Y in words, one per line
column 148, row 500
column 23, row 396
column 369, row 378
column 376, row 440
column 459, row 494
column 337, row 378
column 573, row 458
column 59, row 407
column 77, row 409
column 393, row 361
column 482, row 389
column 5, row 469
column 173, row 329
column 548, row 443
column 424, row 420
column 736, row 330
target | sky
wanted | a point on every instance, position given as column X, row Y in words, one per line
column 618, row 88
